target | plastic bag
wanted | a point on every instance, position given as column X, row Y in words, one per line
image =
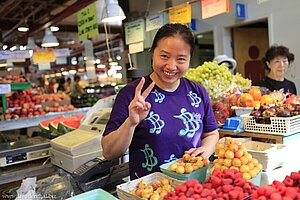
column 56, row 187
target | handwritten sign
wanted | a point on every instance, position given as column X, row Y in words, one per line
column 14, row 55
column 43, row 55
column 212, row 8
column 136, row 47
column 87, row 22
column 155, row 22
column 5, row 89
column 134, row 31
column 181, row 14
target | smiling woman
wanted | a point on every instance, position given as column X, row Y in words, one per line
column 277, row 60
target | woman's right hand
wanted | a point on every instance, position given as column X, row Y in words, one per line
column 138, row 107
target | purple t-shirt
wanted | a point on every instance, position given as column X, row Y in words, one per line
column 174, row 124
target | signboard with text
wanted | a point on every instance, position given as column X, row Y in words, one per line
column 155, row 22
column 43, row 55
column 212, row 8
column 181, row 14
column 134, row 31
column 87, row 22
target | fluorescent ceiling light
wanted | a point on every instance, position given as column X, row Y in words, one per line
column 54, row 28
column 4, row 47
column 49, row 39
column 112, row 12
column 31, row 44
column 23, row 28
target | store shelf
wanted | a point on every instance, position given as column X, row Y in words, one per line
column 33, row 122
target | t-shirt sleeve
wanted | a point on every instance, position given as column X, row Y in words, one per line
column 120, row 109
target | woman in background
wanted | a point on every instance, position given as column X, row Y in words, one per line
column 277, row 61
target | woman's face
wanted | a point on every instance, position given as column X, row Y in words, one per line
column 171, row 60
column 278, row 65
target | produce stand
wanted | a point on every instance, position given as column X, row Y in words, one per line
column 277, row 138
column 34, row 121
column 14, row 87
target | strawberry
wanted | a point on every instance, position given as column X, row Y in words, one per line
column 198, row 188
column 262, row 198
column 286, row 198
column 219, row 189
column 295, row 176
column 239, row 182
column 269, row 190
column 216, row 172
column 216, row 181
column 238, row 175
column 275, row 196
column 247, row 187
column 226, row 196
column 281, row 190
column 228, row 173
column 227, row 181
column 227, row 188
column 277, row 183
column 234, row 194
column 260, row 191
column 290, row 192
column 196, row 196
column 288, row 181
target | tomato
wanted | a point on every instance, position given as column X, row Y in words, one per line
column 255, row 93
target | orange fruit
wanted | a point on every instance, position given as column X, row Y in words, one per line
column 245, row 100
column 266, row 100
column 255, row 93
column 256, row 104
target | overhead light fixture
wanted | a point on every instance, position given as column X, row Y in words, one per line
column 49, row 39
column 54, row 28
column 112, row 12
column 31, row 44
column 4, row 47
column 23, row 28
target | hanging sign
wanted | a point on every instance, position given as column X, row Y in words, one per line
column 43, row 55
column 181, row 14
column 240, row 11
column 4, row 55
column 5, row 89
column 134, row 31
column 62, row 52
column 136, row 47
column 212, row 8
column 44, row 66
column 155, row 22
column 87, row 22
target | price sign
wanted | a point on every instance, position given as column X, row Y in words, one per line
column 5, row 88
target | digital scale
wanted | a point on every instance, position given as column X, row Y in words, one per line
column 23, row 150
column 79, row 152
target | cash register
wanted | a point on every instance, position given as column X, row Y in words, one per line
column 79, row 152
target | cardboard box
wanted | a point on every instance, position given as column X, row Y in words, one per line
column 269, row 155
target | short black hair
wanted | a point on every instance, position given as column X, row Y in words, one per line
column 169, row 30
column 277, row 50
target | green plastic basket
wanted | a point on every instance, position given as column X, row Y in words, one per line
column 256, row 180
column 199, row 174
column 97, row 194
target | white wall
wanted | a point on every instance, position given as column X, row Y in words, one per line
column 283, row 18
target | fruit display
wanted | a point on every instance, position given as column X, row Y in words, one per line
column 157, row 189
column 84, row 100
column 227, row 184
column 217, row 79
column 23, row 99
column 13, row 79
column 287, row 189
column 221, row 111
column 59, row 108
column 233, row 155
column 188, row 164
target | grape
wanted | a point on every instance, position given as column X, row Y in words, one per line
column 217, row 79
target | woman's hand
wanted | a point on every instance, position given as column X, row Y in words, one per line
column 139, row 108
column 197, row 151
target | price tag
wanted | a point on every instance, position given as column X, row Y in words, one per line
column 5, row 88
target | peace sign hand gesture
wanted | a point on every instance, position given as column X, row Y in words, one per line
column 138, row 107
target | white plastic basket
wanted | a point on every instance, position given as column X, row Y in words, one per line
column 123, row 189
column 277, row 125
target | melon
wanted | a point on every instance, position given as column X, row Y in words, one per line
column 44, row 125
column 67, row 126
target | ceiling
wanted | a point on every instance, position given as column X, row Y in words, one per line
column 40, row 14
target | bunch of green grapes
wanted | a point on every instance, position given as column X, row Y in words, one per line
column 242, row 82
column 215, row 78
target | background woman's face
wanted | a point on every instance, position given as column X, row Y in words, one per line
column 171, row 59
column 278, row 65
